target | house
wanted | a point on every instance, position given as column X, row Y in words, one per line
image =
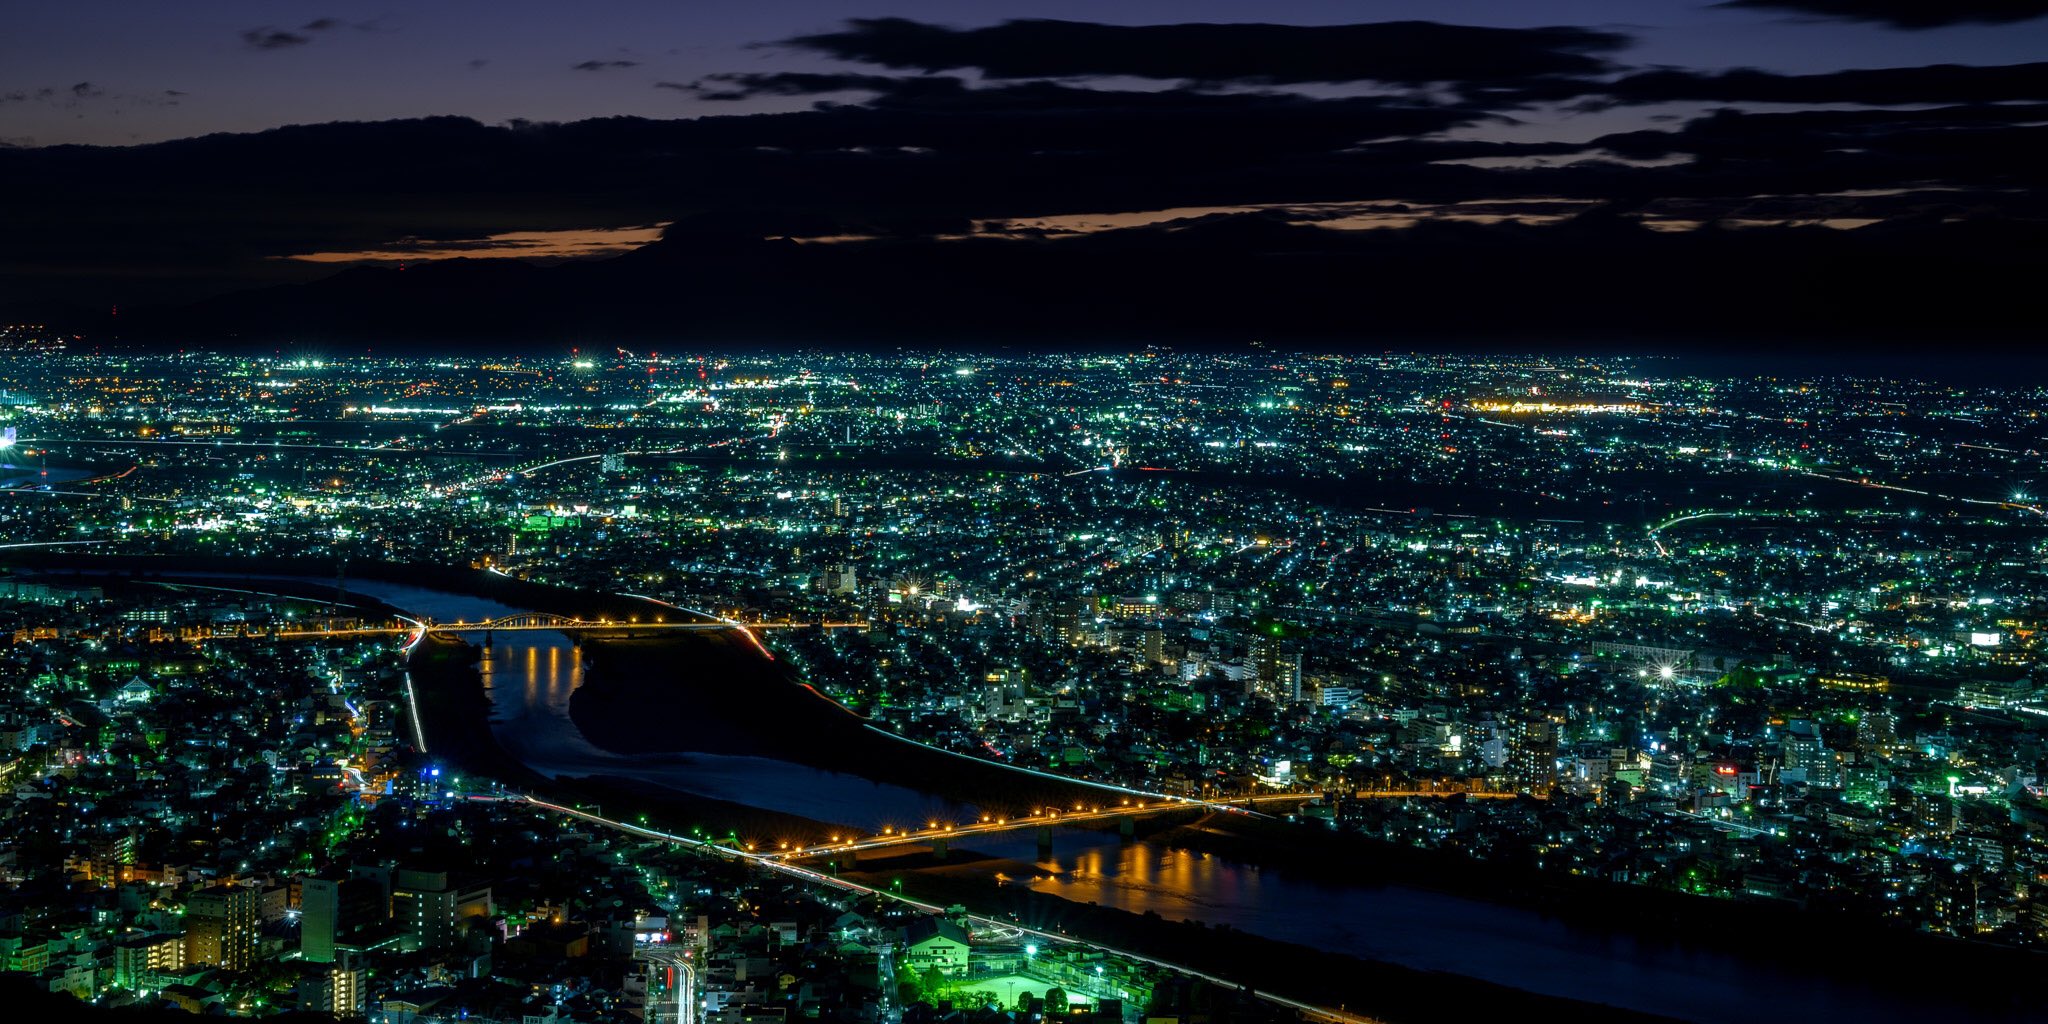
column 935, row 944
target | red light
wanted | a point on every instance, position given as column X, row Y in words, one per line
column 1724, row 769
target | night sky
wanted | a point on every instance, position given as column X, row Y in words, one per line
column 999, row 149
column 505, row 59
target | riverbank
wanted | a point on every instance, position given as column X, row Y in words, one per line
column 454, row 714
column 1847, row 953
column 737, row 701
column 1388, row 992
column 454, row 718
column 717, row 691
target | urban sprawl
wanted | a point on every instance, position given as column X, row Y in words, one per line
column 1745, row 637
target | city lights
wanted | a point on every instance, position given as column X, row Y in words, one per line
column 940, row 643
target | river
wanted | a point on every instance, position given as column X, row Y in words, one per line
column 530, row 676
column 39, row 476
column 1435, row 931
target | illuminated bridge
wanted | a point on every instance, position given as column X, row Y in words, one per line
column 1124, row 812
column 551, row 621
column 938, row 834
column 528, row 622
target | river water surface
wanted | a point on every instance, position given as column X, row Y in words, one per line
column 39, row 476
column 530, row 677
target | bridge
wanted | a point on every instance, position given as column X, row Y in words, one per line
column 1124, row 813
column 774, row 863
column 551, row 621
column 940, row 834
column 418, row 629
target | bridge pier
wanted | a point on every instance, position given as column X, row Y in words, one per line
column 1045, row 842
column 1127, row 827
column 939, row 849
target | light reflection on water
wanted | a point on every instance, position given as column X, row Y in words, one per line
column 530, row 678
column 1439, row 932
column 1412, row 927
column 38, row 476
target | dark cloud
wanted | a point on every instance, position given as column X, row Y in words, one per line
column 79, row 94
column 742, row 85
column 1052, row 123
column 936, row 155
column 1954, row 144
column 272, row 39
column 911, row 185
column 1908, row 14
column 1399, row 52
column 478, row 63
column 1592, row 279
column 1936, row 83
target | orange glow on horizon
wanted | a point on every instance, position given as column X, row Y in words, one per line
column 568, row 244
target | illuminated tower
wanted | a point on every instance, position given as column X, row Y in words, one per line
column 1532, row 754
column 319, row 906
column 220, row 927
column 1275, row 668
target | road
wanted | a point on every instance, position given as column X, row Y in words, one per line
column 682, row 981
column 773, row 863
column 550, row 626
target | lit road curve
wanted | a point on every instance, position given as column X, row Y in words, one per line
column 819, row 878
column 570, row 460
column 53, row 442
column 417, row 631
column 85, row 494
